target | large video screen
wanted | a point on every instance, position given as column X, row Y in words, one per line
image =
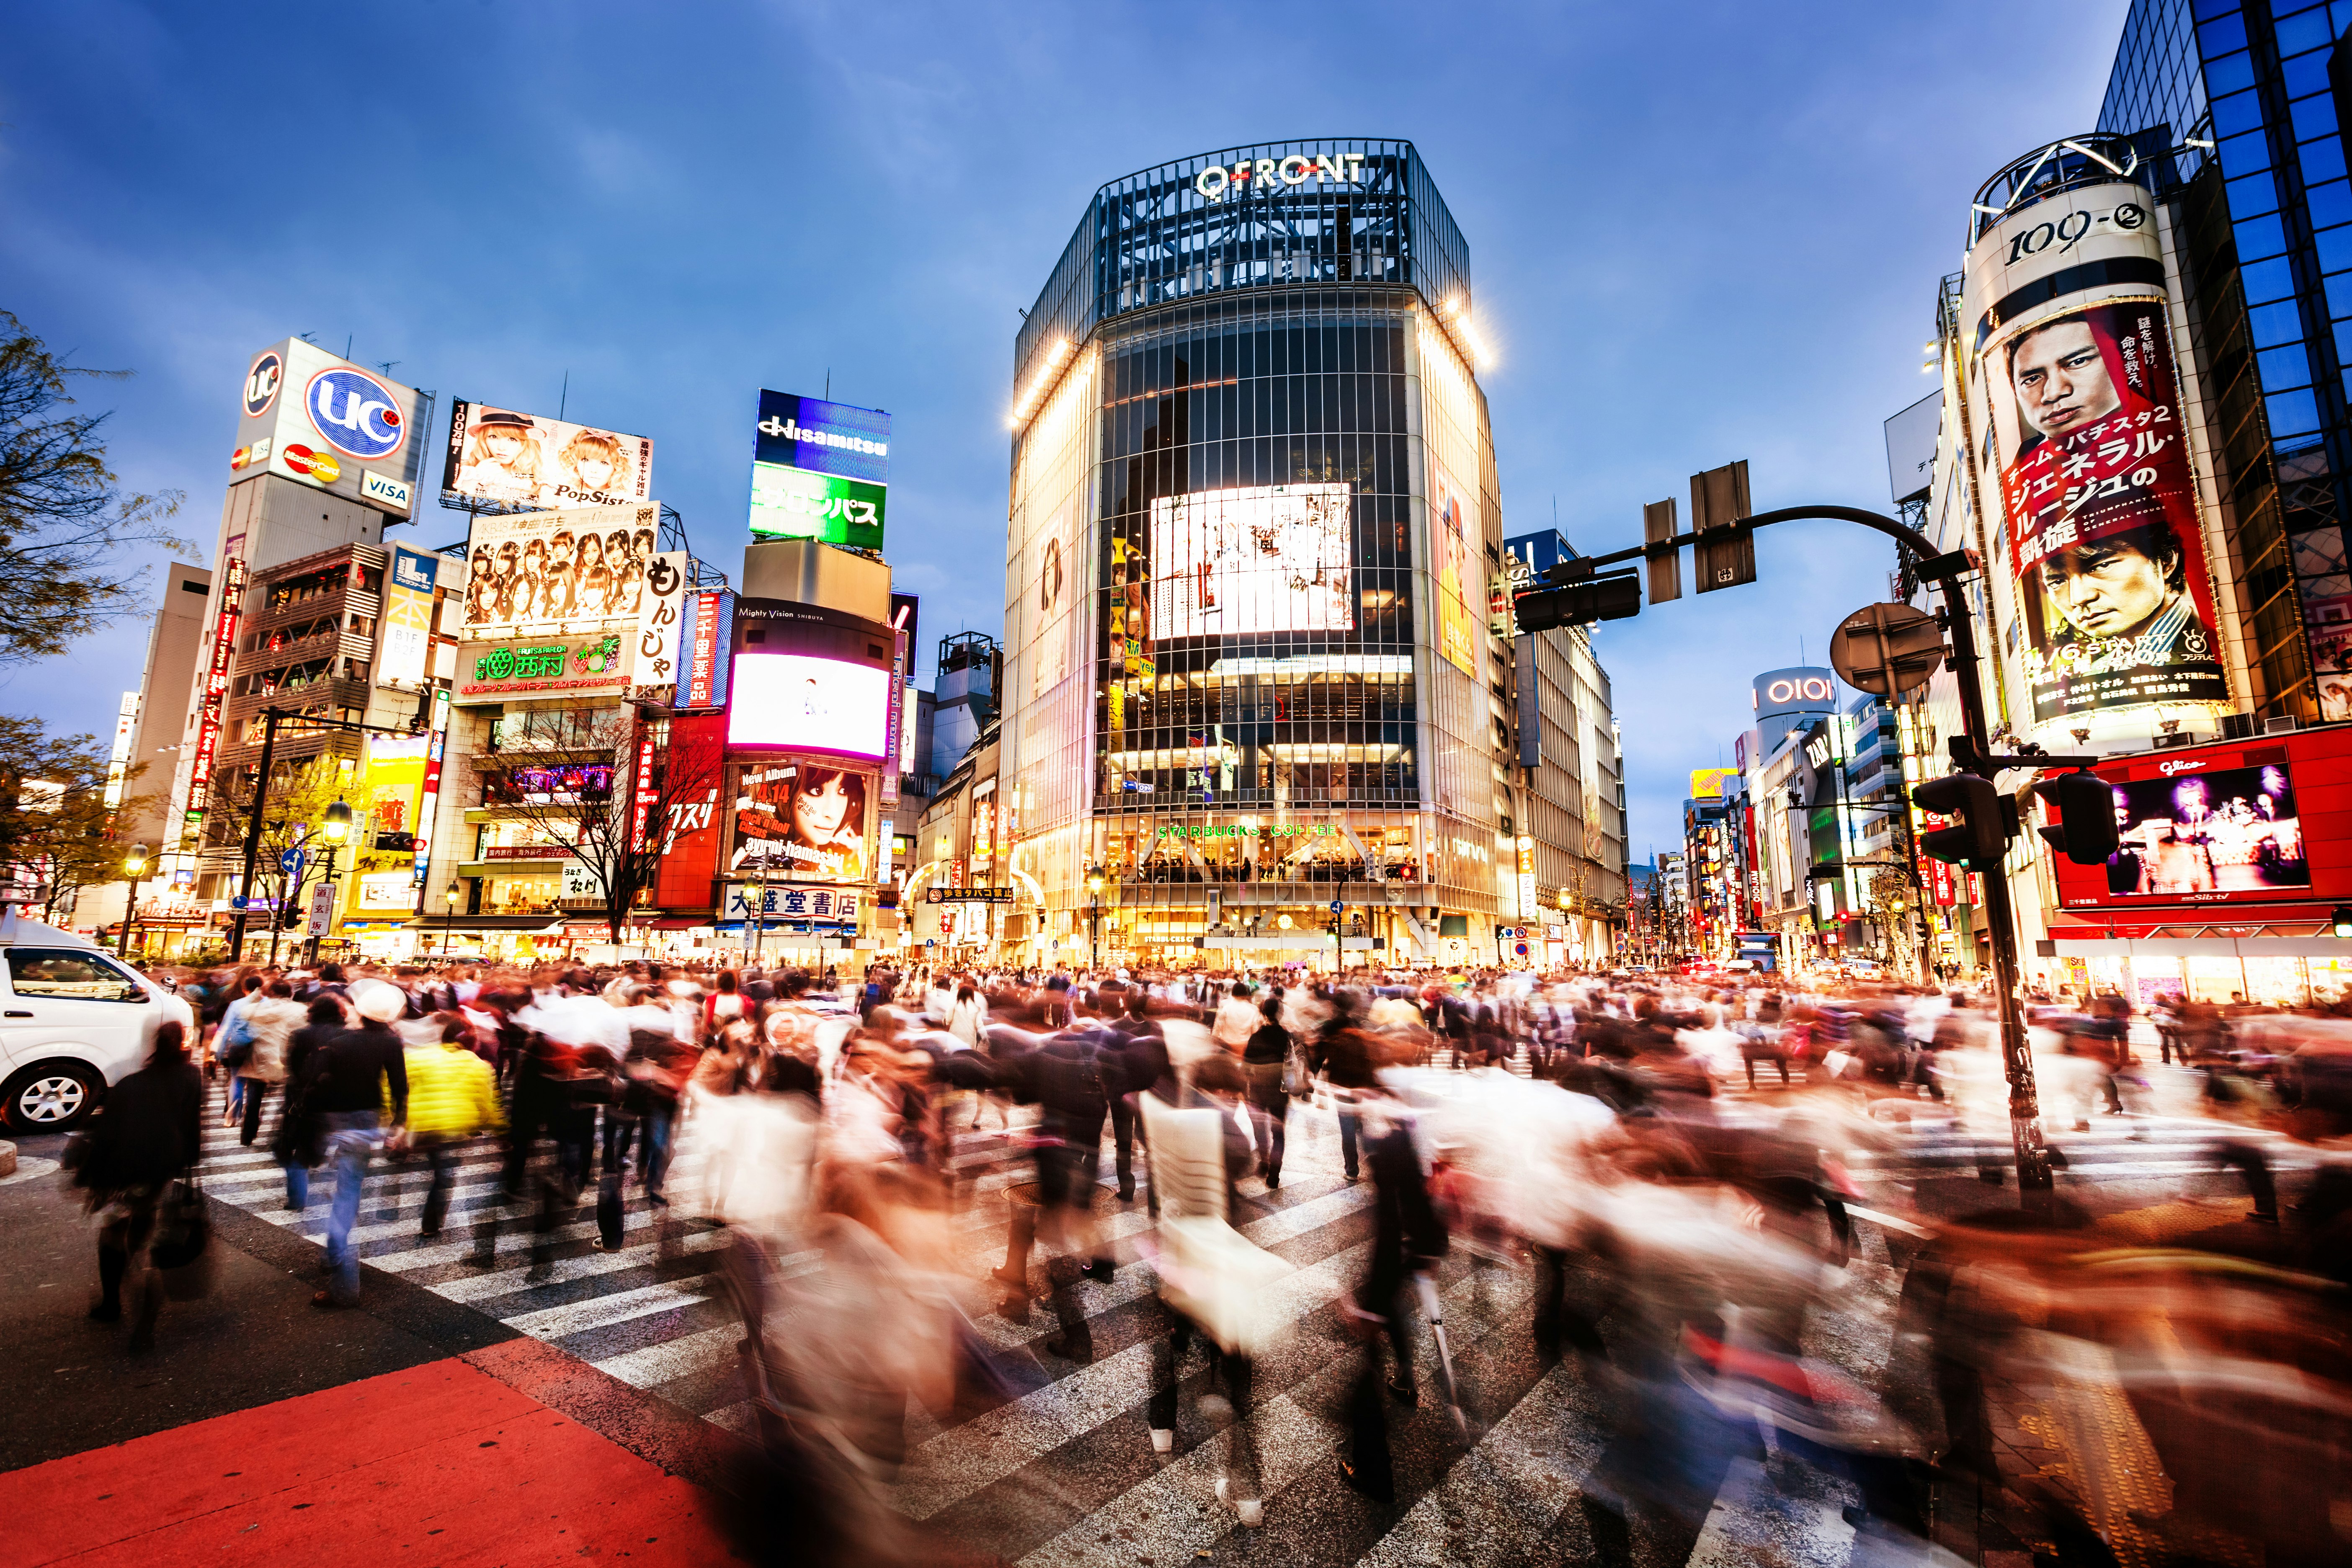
column 1268, row 557
column 502, row 458
column 2231, row 831
column 798, row 702
column 803, row 822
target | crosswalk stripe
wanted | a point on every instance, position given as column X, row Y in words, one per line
column 484, row 1290
column 674, row 1359
column 602, row 1311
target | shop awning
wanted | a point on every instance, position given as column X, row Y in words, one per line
column 475, row 925
column 2204, row 947
column 673, row 923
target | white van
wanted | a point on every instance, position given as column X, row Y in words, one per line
column 73, row 1021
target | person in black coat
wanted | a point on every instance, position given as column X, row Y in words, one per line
column 296, row 1144
column 1069, row 1079
column 1407, row 1236
column 146, row 1136
column 1138, row 1058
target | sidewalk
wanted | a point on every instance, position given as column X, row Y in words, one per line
column 450, row 1462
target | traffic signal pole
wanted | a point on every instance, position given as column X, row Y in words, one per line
column 1972, row 751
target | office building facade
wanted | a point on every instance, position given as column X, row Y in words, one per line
column 1252, row 662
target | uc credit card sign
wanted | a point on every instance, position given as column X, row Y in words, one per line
column 821, row 437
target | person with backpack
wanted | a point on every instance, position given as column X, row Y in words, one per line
column 145, row 1137
column 266, row 1019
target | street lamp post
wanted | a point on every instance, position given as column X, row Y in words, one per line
column 134, row 865
column 334, row 825
column 455, row 896
column 1093, row 916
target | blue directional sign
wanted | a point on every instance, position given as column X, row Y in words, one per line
column 291, row 862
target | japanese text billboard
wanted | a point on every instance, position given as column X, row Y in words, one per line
column 503, row 459
column 2098, row 497
column 820, row 470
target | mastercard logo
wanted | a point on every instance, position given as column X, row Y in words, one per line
column 311, row 465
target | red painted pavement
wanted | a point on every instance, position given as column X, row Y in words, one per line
column 441, row 1464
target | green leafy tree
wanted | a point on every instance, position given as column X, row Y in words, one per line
column 57, row 832
column 70, row 534
column 293, row 811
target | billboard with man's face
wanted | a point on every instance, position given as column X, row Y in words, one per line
column 2065, row 309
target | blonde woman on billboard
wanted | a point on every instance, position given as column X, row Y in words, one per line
column 502, row 459
column 593, row 467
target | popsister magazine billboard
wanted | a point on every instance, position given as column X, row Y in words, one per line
column 501, row 459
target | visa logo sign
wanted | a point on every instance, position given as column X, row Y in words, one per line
column 387, row 489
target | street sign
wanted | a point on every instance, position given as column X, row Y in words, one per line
column 1887, row 648
column 322, row 911
column 970, row 896
column 237, row 903
column 1337, row 906
column 291, row 862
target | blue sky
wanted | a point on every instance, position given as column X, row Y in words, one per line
column 1698, row 232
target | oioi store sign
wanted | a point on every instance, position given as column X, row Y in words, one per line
column 1219, row 180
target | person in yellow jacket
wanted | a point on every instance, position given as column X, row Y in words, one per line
column 452, row 1096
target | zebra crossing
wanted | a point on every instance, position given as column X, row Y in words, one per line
column 1058, row 1468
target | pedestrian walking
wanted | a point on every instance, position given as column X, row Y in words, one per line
column 346, row 1084
column 146, row 1137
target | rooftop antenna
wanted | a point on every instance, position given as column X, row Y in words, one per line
column 564, row 399
column 347, row 345
column 828, row 384
column 385, row 365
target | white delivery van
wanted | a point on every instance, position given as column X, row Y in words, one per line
column 73, row 1021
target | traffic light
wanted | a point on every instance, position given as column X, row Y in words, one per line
column 1981, row 826
column 2086, row 833
column 1611, row 597
column 2342, row 922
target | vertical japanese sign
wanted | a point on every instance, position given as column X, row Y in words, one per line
column 2064, row 308
column 429, row 795
column 641, row 790
column 705, row 632
column 890, row 733
column 408, row 619
column 658, row 620
column 217, row 659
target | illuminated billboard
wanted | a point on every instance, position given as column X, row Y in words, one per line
column 820, row 470
column 801, row 702
column 822, row 438
column 407, row 651
column 327, row 423
column 2229, row 830
column 1449, row 520
column 2106, row 550
column 501, row 458
column 557, row 572
column 803, row 822
column 1263, row 558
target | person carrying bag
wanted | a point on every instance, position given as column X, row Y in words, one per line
column 136, row 1168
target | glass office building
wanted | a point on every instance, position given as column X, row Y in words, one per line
column 2243, row 95
column 1254, row 545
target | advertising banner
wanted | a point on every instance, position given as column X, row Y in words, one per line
column 803, row 822
column 500, row 458
column 430, row 793
column 787, row 503
column 1266, row 558
column 383, row 891
column 705, row 637
column 557, row 571
column 1449, row 516
column 218, row 655
column 326, row 423
column 579, row 666
column 659, row 619
column 408, row 619
column 2065, row 298
column 1054, row 594
column 820, row 470
column 389, row 790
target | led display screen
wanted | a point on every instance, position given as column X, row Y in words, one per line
column 799, row 702
column 2232, row 830
column 1267, row 558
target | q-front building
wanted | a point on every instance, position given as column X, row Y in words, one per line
column 1259, row 701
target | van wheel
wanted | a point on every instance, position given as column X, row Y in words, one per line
column 53, row 1097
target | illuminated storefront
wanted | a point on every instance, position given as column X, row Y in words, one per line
column 1253, row 669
